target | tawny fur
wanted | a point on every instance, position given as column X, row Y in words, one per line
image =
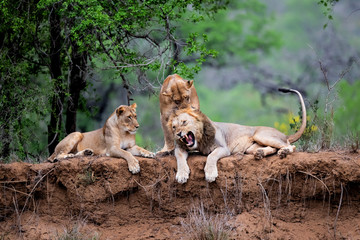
column 218, row 140
column 115, row 139
column 176, row 93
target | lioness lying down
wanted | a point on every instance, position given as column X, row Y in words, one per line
column 115, row 139
column 193, row 130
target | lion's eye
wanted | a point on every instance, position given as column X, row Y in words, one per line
column 174, row 127
column 183, row 122
column 129, row 117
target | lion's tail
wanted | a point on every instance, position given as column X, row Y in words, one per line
column 297, row 135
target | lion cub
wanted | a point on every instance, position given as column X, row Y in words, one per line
column 115, row 139
column 194, row 131
column 176, row 93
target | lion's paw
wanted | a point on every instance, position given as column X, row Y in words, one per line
column 259, row 154
column 164, row 153
column 282, row 153
column 182, row 176
column 211, row 173
column 149, row 155
column 134, row 167
column 88, row 152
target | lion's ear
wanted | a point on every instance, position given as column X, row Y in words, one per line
column 189, row 83
column 166, row 93
column 133, row 106
column 120, row 110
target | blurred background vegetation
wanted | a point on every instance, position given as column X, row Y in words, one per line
column 67, row 65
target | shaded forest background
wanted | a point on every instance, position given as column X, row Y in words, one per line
column 65, row 66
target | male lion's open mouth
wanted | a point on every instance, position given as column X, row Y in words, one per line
column 188, row 139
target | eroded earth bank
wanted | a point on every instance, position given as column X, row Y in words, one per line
column 305, row 196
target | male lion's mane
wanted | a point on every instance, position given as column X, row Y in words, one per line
column 207, row 141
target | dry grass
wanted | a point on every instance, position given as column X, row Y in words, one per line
column 201, row 225
column 76, row 231
column 267, row 209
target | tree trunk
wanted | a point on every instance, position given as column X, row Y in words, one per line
column 55, row 70
column 176, row 57
column 78, row 72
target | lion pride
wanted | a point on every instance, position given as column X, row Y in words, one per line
column 194, row 131
column 115, row 139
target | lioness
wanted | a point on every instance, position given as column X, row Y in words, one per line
column 175, row 93
column 193, row 130
column 115, row 139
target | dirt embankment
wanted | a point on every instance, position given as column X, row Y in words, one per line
column 305, row 196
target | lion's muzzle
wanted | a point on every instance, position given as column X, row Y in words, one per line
column 188, row 139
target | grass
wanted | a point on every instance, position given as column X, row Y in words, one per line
column 73, row 233
column 201, row 225
column 77, row 231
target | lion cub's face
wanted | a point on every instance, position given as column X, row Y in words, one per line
column 187, row 129
column 179, row 91
column 127, row 119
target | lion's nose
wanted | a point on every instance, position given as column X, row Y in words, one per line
column 137, row 126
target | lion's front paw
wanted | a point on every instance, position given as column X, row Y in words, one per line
column 149, row 155
column 282, row 153
column 211, row 173
column 182, row 176
column 164, row 153
column 70, row 155
column 134, row 166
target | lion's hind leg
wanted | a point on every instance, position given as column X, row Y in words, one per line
column 66, row 147
column 273, row 138
column 263, row 152
column 259, row 151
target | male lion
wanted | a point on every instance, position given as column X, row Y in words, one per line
column 115, row 139
column 193, row 130
column 176, row 93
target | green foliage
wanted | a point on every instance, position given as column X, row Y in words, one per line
column 347, row 115
column 310, row 136
column 149, row 135
column 328, row 8
column 130, row 36
column 242, row 104
column 238, row 33
column 23, row 106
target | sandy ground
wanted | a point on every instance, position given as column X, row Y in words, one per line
column 305, row 196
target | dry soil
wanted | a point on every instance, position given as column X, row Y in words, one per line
column 305, row 196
